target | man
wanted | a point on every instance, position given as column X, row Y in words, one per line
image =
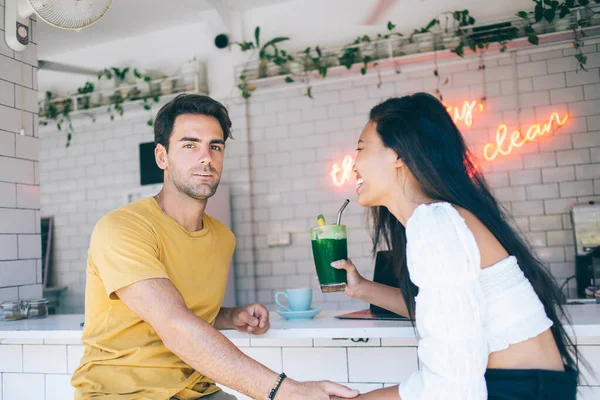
column 156, row 276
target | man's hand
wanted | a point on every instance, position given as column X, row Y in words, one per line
column 318, row 390
column 253, row 318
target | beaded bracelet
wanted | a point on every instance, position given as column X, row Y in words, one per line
column 280, row 379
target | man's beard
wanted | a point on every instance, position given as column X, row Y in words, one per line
column 201, row 191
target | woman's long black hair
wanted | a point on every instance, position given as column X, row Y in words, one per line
column 420, row 130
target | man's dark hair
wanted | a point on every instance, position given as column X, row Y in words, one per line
column 189, row 104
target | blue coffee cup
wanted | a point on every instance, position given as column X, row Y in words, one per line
column 297, row 299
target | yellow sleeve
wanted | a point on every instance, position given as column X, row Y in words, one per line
column 124, row 250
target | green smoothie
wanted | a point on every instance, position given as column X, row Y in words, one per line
column 329, row 244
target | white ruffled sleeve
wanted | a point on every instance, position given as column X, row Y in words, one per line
column 444, row 262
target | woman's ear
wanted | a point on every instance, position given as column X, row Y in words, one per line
column 399, row 163
column 160, row 155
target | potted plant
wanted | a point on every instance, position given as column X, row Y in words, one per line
column 450, row 38
column 143, row 82
column 245, row 88
column 412, row 44
column 282, row 59
column 166, row 85
column 116, row 105
column 409, row 46
column 106, row 85
column 383, row 46
column 315, row 61
column 354, row 53
column 263, row 55
column 464, row 19
column 120, row 75
column 191, row 71
column 83, row 102
column 50, row 110
column 424, row 37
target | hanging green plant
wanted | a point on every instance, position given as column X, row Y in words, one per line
column 352, row 54
column 463, row 35
column 366, row 60
column 581, row 58
column 117, row 105
column 83, row 102
column 383, row 50
column 267, row 52
column 315, row 61
column 65, row 118
column 120, row 74
column 148, row 100
column 147, row 104
column 280, row 57
column 58, row 111
column 245, row 88
column 106, row 72
column 390, row 27
column 548, row 10
column 464, row 19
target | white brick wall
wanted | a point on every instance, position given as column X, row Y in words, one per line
column 294, row 142
column 20, row 244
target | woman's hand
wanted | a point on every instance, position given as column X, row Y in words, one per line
column 354, row 279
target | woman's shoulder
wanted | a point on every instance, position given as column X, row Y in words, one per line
column 442, row 219
column 435, row 213
column 440, row 247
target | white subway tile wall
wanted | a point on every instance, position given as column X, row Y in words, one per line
column 364, row 368
column 58, row 387
column 23, row 386
column 20, row 246
column 284, row 182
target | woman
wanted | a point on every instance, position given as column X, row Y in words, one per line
column 487, row 312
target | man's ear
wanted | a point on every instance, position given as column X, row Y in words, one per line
column 160, row 155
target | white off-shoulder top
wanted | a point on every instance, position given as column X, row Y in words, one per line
column 463, row 312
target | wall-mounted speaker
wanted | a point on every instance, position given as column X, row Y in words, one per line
column 222, row 41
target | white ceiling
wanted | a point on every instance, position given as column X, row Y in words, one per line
column 133, row 18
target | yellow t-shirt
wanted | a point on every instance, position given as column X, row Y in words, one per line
column 124, row 358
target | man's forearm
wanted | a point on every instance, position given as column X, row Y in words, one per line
column 206, row 350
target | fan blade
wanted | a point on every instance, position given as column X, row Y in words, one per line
column 54, row 66
column 377, row 12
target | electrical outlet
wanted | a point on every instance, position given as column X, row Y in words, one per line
column 279, row 239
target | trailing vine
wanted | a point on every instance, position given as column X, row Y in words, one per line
column 358, row 52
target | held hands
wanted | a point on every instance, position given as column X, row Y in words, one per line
column 318, row 390
column 252, row 318
column 354, row 279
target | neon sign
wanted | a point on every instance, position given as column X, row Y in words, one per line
column 341, row 175
column 464, row 113
column 504, row 146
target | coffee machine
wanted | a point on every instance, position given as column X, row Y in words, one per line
column 585, row 218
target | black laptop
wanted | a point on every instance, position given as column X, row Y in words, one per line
column 385, row 274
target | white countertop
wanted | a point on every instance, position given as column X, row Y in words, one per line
column 585, row 324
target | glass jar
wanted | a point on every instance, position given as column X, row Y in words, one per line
column 38, row 308
column 12, row 311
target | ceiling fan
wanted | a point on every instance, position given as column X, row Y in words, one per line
column 65, row 14
column 377, row 12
